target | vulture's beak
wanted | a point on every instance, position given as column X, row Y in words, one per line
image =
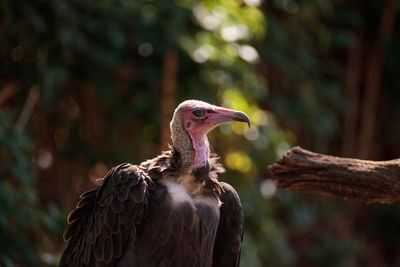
column 232, row 115
column 240, row 116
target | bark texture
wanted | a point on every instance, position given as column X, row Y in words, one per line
column 361, row 180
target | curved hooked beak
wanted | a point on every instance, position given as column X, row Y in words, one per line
column 240, row 116
column 232, row 115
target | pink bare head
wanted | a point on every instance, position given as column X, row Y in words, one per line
column 200, row 117
column 192, row 121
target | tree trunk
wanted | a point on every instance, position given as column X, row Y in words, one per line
column 170, row 70
column 373, row 80
column 361, row 180
column 352, row 91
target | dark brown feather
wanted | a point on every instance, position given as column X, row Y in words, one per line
column 76, row 214
column 230, row 229
column 86, row 254
column 108, row 250
column 85, row 201
column 88, row 193
column 93, row 237
column 98, row 250
column 117, row 245
column 71, row 230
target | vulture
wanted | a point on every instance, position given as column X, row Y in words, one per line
column 167, row 211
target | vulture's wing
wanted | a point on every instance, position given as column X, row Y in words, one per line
column 230, row 229
column 105, row 218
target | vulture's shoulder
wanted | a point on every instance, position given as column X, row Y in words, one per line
column 168, row 163
column 101, row 224
column 230, row 229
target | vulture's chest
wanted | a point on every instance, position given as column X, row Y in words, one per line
column 187, row 193
column 179, row 230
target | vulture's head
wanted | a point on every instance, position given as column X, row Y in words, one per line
column 190, row 124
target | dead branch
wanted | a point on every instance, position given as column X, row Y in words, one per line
column 361, row 180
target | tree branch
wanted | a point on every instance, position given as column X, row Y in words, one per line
column 361, row 180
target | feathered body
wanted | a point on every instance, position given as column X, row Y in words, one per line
column 167, row 211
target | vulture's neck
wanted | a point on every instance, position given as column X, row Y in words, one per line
column 194, row 150
column 201, row 151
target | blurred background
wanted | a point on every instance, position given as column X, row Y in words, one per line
column 86, row 85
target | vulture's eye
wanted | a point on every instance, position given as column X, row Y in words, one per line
column 199, row 112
